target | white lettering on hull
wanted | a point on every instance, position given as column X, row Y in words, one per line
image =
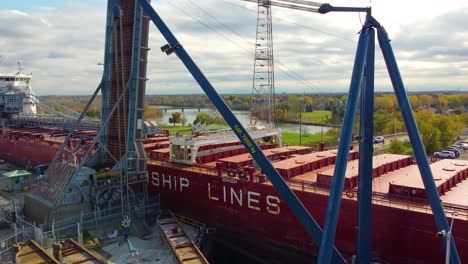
column 155, row 179
column 250, row 199
column 170, row 182
column 273, row 204
column 238, row 197
column 210, row 196
column 228, row 195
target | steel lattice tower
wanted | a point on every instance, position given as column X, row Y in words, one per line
column 263, row 88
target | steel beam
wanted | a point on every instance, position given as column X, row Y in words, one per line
column 366, row 150
column 310, row 225
column 334, row 201
column 415, row 138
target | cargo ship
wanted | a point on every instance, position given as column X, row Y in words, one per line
column 211, row 180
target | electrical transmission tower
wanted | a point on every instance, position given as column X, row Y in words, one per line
column 263, row 86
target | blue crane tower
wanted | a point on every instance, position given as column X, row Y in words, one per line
column 108, row 171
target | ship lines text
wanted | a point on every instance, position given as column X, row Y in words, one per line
column 232, row 195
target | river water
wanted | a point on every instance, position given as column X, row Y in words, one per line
column 243, row 116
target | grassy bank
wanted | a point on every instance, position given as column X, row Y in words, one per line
column 293, row 138
column 317, row 116
column 184, row 130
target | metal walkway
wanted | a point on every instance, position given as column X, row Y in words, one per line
column 183, row 249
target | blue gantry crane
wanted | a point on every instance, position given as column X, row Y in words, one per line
column 362, row 85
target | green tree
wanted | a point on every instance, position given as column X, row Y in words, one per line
column 295, row 103
column 175, row 118
column 451, row 128
column 152, row 112
column 396, row 147
column 202, row 118
column 430, row 135
column 209, row 119
column 381, row 119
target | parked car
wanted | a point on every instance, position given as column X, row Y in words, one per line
column 459, row 148
column 461, row 145
column 378, row 139
column 456, row 151
column 444, row 154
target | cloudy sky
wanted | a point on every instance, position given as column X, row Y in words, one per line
column 62, row 41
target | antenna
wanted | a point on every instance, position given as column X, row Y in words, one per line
column 19, row 67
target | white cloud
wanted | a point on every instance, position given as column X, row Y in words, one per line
column 62, row 48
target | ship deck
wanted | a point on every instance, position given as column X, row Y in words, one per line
column 273, row 154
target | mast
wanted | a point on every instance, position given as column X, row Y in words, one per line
column 263, row 87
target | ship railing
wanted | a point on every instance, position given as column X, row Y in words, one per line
column 394, row 201
column 200, row 168
column 74, row 227
column 304, row 185
column 417, row 204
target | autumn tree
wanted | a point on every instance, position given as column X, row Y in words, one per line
column 384, row 102
column 175, row 118
column 442, row 100
column 280, row 114
column 425, row 100
column 414, row 101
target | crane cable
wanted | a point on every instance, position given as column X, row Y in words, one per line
column 299, row 78
column 305, row 82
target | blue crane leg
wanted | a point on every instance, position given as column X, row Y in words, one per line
column 310, row 225
column 336, row 190
column 366, row 150
column 415, row 138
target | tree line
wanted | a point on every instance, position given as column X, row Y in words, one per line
column 440, row 117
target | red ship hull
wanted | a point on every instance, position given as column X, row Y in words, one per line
column 27, row 152
column 257, row 212
column 402, row 232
